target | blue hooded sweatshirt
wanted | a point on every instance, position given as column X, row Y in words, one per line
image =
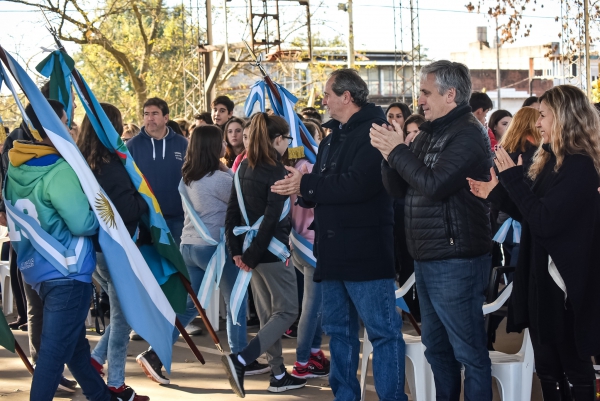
column 161, row 161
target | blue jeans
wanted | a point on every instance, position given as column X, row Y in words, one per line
column 175, row 225
column 375, row 303
column 66, row 304
column 451, row 294
column 113, row 344
column 196, row 258
column 309, row 327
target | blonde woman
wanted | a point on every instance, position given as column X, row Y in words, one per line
column 557, row 273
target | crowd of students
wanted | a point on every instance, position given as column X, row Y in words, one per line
column 390, row 194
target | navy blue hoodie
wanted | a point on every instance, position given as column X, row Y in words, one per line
column 160, row 161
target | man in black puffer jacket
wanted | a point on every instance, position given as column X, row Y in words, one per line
column 448, row 231
column 353, row 241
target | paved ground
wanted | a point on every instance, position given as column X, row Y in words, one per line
column 193, row 381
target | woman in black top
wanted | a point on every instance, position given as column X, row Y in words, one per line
column 557, row 272
column 114, row 180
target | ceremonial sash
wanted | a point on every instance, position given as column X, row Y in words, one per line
column 500, row 236
column 65, row 260
column 214, row 270
column 276, row 247
column 303, row 247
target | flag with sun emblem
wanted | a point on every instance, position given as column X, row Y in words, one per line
column 163, row 257
column 144, row 304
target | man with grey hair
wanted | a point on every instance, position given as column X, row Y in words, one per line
column 447, row 229
column 353, row 241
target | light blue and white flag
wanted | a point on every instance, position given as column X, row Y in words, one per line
column 144, row 304
column 500, row 236
column 304, row 247
column 298, row 131
column 275, row 247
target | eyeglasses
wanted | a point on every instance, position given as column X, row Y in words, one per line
column 289, row 138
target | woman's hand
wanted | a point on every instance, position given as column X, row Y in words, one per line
column 482, row 189
column 238, row 262
column 503, row 160
column 385, row 137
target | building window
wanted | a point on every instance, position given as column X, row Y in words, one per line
column 389, row 85
column 371, row 77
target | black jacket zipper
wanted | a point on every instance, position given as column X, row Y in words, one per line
column 448, row 223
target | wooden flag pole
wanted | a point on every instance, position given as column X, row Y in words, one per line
column 202, row 312
column 23, row 357
column 189, row 341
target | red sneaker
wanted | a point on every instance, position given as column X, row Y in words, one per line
column 310, row 370
column 321, row 358
column 126, row 393
column 99, row 368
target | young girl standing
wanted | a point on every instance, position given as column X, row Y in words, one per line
column 263, row 250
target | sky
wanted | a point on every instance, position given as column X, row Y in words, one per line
column 445, row 26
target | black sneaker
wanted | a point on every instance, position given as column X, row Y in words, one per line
column 235, row 371
column 287, row 382
column 257, row 368
column 292, row 332
column 152, row 366
column 67, row 385
column 126, row 393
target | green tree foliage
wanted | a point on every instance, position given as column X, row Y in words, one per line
column 161, row 71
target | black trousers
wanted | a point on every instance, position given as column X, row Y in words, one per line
column 561, row 359
column 16, row 283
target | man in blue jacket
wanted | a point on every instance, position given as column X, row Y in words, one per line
column 159, row 152
column 354, row 242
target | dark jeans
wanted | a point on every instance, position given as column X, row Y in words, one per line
column 66, row 305
column 451, row 295
column 375, row 303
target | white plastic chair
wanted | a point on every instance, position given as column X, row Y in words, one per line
column 513, row 372
column 420, row 377
column 7, row 295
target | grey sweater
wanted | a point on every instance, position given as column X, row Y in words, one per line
column 209, row 197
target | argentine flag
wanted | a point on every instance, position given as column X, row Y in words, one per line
column 144, row 304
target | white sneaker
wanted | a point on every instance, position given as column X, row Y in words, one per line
column 193, row 330
column 133, row 336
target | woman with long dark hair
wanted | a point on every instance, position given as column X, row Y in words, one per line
column 555, row 286
column 263, row 250
column 233, row 135
column 113, row 178
column 499, row 122
column 397, row 112
column 207, row 185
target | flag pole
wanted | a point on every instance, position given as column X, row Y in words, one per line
column 23, row 357
column 189, row 341
column 202, row 312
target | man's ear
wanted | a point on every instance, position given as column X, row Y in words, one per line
column 451, row 95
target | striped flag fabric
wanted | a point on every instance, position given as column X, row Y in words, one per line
column 165, row 260
column 144, row 304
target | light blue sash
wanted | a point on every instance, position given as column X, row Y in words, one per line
column 214, row 270
column 65, row 260
column 500, row 236
column 275, row 247
column 303, row 247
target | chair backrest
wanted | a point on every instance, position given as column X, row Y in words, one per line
column 501, row 300
column 400, row 292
